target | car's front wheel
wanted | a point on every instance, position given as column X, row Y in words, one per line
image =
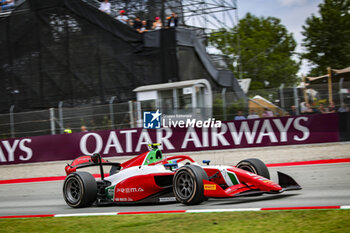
column 255, row 166
column 79, row 189
column 188, row 184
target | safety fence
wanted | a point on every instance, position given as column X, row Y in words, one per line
column 55, row 120
column 112, row 115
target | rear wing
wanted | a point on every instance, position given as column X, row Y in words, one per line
column 89, row 161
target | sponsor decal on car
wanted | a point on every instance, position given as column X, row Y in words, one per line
column 110, row 192
column 167, row 199
column 231, row 190
column 123, row 199
column 209, row 187
column 256, row 177
column 129, row 190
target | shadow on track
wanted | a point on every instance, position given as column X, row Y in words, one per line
column 216, row 201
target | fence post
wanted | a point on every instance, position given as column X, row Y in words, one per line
column 330, row 92
column 60, row 115
column 176, row 104
column 194, row 102
column 12, row 121
column 223, row 92
column 296, row 99
column 306, row 98
column 139, row 120
column 282, row 96
column 111, row 112
column 341, row 97
column 52, row 121
column 131, row 114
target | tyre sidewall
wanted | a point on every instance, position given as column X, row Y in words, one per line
column 256, row 166
column 88, row 189
column 193, row 177
column 197, row 175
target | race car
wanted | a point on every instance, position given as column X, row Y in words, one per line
column 153, row 178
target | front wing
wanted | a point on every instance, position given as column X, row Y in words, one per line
column 212, row 189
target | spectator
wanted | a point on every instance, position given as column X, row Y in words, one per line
column 343, row 108
column 309, row 109
column 105, row 7
column 83, row 128
column 321, row 108
column 137, row 24
column 157, row 24
column 252, row 114
column 267, row 113
column 67, row 130
column 131, row 23
column 239, row 116
column 303, row 107
column 331, row 107
column 122, row 17
column 172, row 20
column 143, row 27
column 293, row 110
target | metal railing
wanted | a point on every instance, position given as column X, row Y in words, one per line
column 55, row 120
column 129, row 114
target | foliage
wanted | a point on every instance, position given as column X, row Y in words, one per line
column 233, row 108
column 218, row 113
column 106, row 123
column 327, row 37
column 265, row 51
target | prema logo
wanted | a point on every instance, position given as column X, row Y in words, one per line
column 151, row 120
column 129, row 190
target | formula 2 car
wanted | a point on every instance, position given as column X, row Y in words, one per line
column 151, row 178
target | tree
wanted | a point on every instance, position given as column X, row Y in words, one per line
column 327, row 37
column 265, row 51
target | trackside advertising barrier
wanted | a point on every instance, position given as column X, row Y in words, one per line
column 232, row 134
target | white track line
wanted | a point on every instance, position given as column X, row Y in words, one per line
column 85, row 214
column 175, row 211
column 222, row 210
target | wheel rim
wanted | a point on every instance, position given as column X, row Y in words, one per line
column 247, row 168
column 73, row 190
column 184, row 185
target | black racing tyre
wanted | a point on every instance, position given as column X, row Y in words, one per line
column 79, row 189
column 188, row 184
column 255, row 166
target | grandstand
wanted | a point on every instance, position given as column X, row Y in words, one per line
column 68, row 50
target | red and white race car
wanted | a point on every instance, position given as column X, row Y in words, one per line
column 151, row 178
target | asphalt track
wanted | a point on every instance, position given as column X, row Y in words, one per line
column 323, row 185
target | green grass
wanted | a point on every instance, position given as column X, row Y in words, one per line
column 263, row 221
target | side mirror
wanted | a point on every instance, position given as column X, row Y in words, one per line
column 206, row 162
column 171, row 164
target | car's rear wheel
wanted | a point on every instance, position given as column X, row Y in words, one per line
column 188, row 184
column 79, row 189
column 255, row 166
